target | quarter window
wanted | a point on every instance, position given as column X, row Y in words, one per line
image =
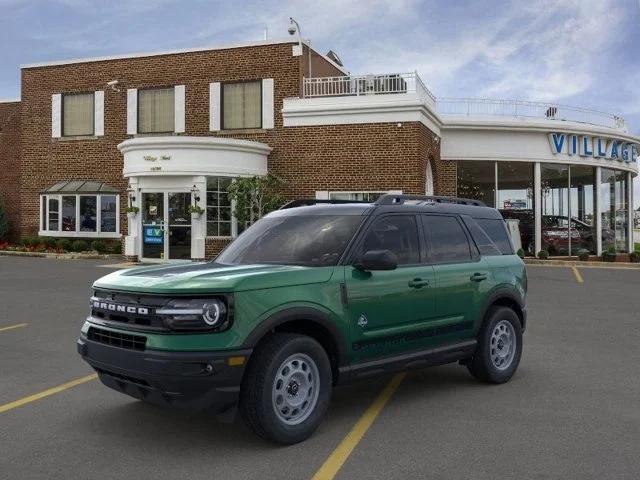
column 497, row 232
column 396, row 233
column 77, row 114
column 156, row 110
column 242, row 105
column 447, row 241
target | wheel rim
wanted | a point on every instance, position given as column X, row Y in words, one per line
column 503, row 345
column 295, row 389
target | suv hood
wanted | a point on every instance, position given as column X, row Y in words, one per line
column 211, row 278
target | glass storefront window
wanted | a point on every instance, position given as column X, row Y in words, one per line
column 108, row 213
column 515, row 201
column 219, row 215
column 555, row 231
column 477, row 180
column 582, row 204
column 614, row 210
column 88, row 214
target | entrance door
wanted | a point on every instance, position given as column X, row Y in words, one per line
column 166, row 226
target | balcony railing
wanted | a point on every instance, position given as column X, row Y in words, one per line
column 478, row 107
column 392, row 83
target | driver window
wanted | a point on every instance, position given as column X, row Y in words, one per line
column 397, row 233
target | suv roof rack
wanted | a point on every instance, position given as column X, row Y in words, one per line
column 401, row 199
column 303, row 202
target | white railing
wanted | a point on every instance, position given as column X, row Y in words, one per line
column 391, row 83
column 518, row 108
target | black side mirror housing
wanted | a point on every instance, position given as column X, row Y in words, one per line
column 377, row 260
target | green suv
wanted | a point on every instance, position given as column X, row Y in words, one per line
column 314, row 295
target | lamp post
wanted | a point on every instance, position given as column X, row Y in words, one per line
column 294, row 27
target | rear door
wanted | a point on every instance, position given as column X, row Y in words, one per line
column 462, row 276
column 388, row 309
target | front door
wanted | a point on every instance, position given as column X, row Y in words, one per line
column 166, row 226
column 390, row 311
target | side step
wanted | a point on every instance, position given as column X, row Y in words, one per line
column 413, row 360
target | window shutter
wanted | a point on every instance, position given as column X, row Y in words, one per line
column 132, row 111
column 267, row 103
column 215, row 109
column 98, row 113
column 179, row 93
column 56, row 115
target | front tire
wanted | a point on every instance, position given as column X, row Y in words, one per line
column 286, row 390
column 499, row 347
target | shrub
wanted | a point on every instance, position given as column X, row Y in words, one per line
column 99, row 246
column 543, row 254
column 583, row 254
column 64, row 244
column 50, row 242
column 520, row 253
column 4, row 221
column 116, row 248
column 609, row 255
column 25, row 241
column 635, row 256
column 79, row 246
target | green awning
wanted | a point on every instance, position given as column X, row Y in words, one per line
column 81, row 186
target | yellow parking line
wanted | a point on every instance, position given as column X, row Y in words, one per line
column 11, row 327
column 46, row 393
column 577, row 274
column 335, row 461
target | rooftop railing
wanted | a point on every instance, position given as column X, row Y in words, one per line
column 411, row 83
column 478, row 107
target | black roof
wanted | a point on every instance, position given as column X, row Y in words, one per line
column 390, row 203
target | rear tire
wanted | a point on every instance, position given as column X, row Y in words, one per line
column 499, row 347
column 286, row 390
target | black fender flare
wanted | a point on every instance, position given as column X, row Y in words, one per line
column 296, row 314
column 509, row 294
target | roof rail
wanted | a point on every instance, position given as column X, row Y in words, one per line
column 303, row 202
column 401, row 199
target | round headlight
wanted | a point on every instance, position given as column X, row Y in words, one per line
column 213, row 312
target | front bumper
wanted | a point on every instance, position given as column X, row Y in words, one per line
column 190, row 380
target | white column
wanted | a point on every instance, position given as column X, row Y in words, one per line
column 630, row 211
column 537, row 202
column 132, row 243
column 199, row 225
column 598, row 212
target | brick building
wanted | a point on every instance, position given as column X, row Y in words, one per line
column 163, row 131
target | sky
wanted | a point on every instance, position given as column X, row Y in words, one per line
column 577, row 52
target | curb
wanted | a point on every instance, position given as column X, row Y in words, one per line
column 62, row 256
column 579, row 263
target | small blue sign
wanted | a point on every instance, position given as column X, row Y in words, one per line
column 153, row 236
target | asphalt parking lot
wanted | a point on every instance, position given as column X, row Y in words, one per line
column 571, row 411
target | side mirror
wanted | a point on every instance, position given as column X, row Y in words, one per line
column 377, row 260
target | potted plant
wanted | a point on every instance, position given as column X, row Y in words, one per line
column 609, row 255
column 196, row 211
column 583, row 254
column 543, row 254
column 132, row 212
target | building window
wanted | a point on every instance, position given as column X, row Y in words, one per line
column 614, row 210
column 78, row 114
column 220, row 221
column 78, row 215
column 156, row 110
column 356, row 196
column 242, row 105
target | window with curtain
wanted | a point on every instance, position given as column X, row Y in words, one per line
column 242, row 105
column 77, row 114
column 156, row 110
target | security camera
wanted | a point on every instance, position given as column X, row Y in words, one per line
column 291, row 29
column 112, row 85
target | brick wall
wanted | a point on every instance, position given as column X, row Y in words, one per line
column 9, row 163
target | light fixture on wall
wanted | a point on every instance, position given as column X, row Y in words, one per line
column 132, row 197
column 194, row 192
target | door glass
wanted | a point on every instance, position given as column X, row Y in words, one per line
column 396, row 233
column 179, row 226
column 153, row 225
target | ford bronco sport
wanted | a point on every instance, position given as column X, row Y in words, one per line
column 311, row 296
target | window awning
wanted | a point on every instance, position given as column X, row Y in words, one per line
column 81, row 186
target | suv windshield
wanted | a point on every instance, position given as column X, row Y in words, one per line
column 313, row 240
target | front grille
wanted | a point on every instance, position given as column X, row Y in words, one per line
column 117, row 339
column 131, row 309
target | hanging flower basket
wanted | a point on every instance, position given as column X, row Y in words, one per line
column 132, row 212
column 196, row 211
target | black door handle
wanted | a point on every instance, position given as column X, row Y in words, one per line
column 478, row 277
column 418, row 283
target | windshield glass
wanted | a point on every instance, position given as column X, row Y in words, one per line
column 313, row 240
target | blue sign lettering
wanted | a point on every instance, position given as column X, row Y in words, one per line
column 153, row 236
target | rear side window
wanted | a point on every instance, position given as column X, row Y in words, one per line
column 447, row 241
column 484, row 243
column 397, row 233
column 497, row 231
